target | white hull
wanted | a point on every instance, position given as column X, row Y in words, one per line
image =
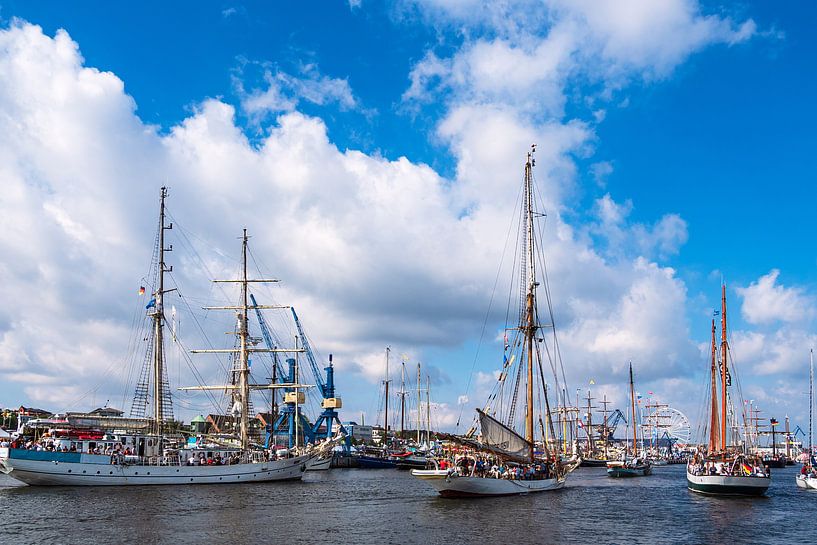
column 728, row 485
column 806, row 482
column 51, row 473
column 319, row 464
column 456, row 486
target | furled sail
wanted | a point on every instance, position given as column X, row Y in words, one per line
column 502, row 439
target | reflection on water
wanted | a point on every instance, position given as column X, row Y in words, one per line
column 389, row 506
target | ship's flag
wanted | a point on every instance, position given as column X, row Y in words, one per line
column 141, row 290
column 151, row 303
column 580, row 423
column 649, row 393
column 747, row 469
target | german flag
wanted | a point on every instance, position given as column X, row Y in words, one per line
column 747, row 469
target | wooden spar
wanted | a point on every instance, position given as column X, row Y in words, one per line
column 244, row 370
column 530, row 328
column 635, row 427
column 724, row 363
column 714, row 427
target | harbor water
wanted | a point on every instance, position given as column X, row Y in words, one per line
column 389, row 506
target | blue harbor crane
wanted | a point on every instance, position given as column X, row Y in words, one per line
column 330, row 403
column 293, row 398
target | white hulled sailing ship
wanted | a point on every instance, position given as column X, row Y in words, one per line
column 501, row 460
column 725, row 468
column 155, row 456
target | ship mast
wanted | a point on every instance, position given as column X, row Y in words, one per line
column 810, row 400
column 419, row 404
column 244, row 349
column 403, row 400
column 714, row 427
column 635, row 427
column 724, row 363
column 244, row 368
column 386, row 411
column 530, row 300
column 158, row 324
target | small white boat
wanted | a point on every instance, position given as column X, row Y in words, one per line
column 451, row 484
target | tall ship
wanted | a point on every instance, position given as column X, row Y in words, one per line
column 632, row 465
column 515, row 451
column 725, row 466
column 155, row 454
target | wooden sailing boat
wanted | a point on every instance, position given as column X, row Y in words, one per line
column 152, row 458
column 502, row 460
column 808, row 475
column 723, row 468
column 632, row 466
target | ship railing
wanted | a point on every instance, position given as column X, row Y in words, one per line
column 253, row 457
column 163, row 461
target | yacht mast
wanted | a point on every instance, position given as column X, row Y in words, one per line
column 403, row 400
column 724, row 363
column 530, row 300
column 428, row 409
column 419, row 404
column 810, row 399
column 714, row 439
column 635, row 427
column 386, row 412
column 158, row 324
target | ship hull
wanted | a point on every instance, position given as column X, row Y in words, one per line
column 593, row 462
column 372, row 462
column 625, row 472
column 723, row 485
column 91, row 470
column 806, row 482
column 455, row 486
column 319, row 464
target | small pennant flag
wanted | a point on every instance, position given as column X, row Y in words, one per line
column 580, row 423
column 649, row 393
column 151, row 303
column 141, row 290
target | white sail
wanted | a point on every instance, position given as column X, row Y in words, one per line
column 503, row 439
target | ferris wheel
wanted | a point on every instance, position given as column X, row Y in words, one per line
column 674, row 424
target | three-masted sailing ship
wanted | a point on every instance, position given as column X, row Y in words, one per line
column 155, row 456
column 632, row 465
column 515, row 452
column 725, row 467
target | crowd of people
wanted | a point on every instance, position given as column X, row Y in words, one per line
column 489, row 467
column 739, row 468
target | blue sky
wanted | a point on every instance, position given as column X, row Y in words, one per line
column 676, row 148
